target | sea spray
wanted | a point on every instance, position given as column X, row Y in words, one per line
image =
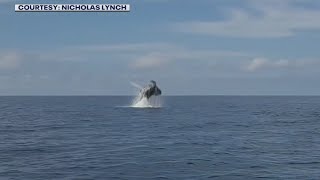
column 143, row 102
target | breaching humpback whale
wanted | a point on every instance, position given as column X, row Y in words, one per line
column 150, row 90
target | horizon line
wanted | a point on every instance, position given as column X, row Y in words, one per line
column 83, row 95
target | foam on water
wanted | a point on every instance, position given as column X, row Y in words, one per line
column 143, row 102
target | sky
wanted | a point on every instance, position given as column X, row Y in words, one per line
column 204, row 47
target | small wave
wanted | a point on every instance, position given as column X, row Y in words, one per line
column 303, row 163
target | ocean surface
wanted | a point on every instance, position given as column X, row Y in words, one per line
column 189, row 137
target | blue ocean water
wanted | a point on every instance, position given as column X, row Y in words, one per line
column 190, row 137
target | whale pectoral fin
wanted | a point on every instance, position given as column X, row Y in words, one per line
column 147, row 94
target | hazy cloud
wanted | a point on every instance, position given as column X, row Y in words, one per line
column 9, row 60
column 152, row 60
column 126, row 47
column 264, row 64
column 183, row 57
column 274, row 19
column 157, row 55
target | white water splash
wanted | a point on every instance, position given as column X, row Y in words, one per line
column 153, row 102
